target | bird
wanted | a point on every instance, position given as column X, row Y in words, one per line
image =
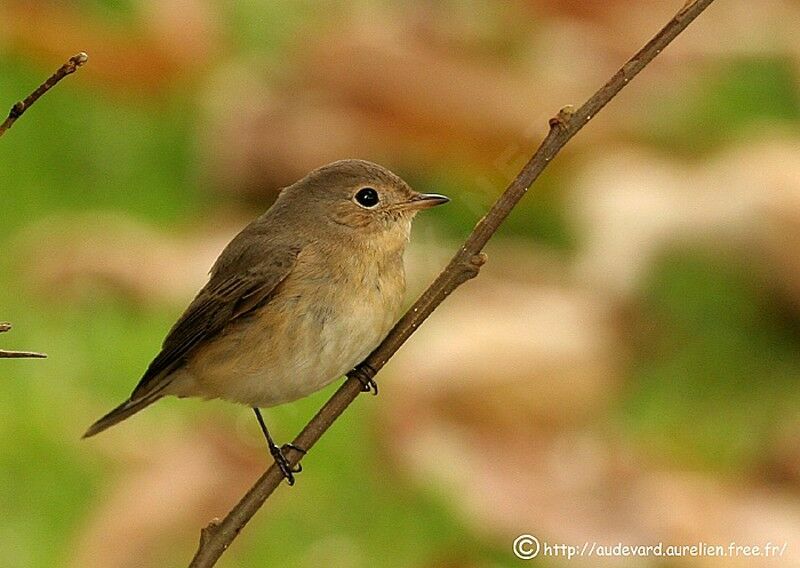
column 297, row 299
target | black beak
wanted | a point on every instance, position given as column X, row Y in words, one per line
column 426, row 201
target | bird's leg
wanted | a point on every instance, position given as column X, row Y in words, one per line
column 277, row 453
column 364, row 374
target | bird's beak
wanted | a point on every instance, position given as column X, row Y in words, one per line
column 425, row 201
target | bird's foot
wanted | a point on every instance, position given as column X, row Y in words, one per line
column 283, row 464
column 364, row 373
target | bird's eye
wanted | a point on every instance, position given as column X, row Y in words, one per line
column 367, row 197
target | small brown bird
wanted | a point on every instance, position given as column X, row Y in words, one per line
column 298, row 298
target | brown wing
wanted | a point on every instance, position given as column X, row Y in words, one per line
column 227, row 296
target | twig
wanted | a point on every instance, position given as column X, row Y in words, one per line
column 4, row 326
column 217, row 536
column 16, row 111
column 21, row 355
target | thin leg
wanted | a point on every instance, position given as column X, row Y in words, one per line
column 277, row 453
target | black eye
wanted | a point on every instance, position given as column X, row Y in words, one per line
column 367, row 197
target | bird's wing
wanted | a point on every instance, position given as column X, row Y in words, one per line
column 227, row 296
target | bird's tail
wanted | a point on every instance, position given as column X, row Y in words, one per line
column 123, row 411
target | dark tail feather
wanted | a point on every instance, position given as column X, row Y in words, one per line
column 120, row 413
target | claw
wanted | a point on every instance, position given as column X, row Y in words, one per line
column 293, row 447
column 364, row 374
column 277, row 453
column 283, row 464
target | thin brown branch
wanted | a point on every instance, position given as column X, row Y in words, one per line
column 19, row 108
column 21, row 355
column 218, row 535
column 5, row 326
column 16, row 111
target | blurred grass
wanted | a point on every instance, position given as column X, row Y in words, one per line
column 79, row 150
column 731, row 100
column 717, row 361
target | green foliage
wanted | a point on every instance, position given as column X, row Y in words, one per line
column 97, row 154
column 716, row 365
column 729, row 101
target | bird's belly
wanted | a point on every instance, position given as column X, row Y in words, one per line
column 289, row 349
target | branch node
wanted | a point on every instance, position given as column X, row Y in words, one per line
column 479, row 260
column 209, row 531
column 469, row 268
column 16, row 110
column 562, row 118
column 77, row 60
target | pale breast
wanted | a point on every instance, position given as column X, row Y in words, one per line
column 326, row 317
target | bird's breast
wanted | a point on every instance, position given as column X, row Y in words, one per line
column 325, row 318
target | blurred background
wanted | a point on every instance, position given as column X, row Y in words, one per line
column 625, row 369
